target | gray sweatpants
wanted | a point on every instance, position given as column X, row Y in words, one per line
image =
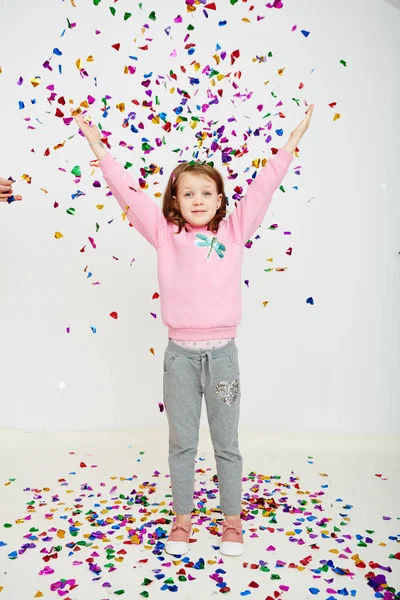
column 187, row 375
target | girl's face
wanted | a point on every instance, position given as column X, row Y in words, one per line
column 197, row 199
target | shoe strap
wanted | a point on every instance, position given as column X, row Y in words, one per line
column 184, row 526
column 234, row 528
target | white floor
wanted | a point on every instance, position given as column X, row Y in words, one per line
column 50, row 483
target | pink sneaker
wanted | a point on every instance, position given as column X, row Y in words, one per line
column 178, row 539
column 232, row 539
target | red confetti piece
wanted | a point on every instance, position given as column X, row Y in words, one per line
column 114, row 315
column 234, row 55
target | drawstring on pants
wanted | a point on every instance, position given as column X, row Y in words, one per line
column 203, row 358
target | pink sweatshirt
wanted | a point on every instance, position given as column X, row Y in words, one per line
column 199, row 273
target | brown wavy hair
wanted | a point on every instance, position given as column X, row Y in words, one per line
column 172, row 213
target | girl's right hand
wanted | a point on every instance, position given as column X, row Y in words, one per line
column 91, row 132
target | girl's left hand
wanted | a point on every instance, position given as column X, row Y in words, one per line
column 304, row 125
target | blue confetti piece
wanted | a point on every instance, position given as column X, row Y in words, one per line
column 245, row 593
column 13, row 554
column 314, row 591
column 57, row 52
column 93, row 328
column 222, row 23
column 310, row 300
column 2, row 544
column 21, row 105
column 305, row 33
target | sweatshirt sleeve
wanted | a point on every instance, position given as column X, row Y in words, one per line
column 251, row 210
column 144, row 214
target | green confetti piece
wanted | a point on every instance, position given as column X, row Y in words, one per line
column 76, row 171
column 97, row 227
column 146, row 581
column 362, row 544
column 96, row 2
column 169, row 581
column 275, row 576
column 190, row 27
column 140, row 5
column 7, row 525
column 152, row 15
column 234, row 2
column 119, row 592
column 127, row 165
column 112, row 10
column 58, row 548
column 265, row 569
column 127, row 16
column 144, row 594
column 343, row 62
column 71, row 211
column 33, row 530
column 182, row 578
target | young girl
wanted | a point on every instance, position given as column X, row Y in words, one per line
column 199, row 272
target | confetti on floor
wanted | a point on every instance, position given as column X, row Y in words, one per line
column 86, row 530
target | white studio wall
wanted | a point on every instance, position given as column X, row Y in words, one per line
column 331, row 366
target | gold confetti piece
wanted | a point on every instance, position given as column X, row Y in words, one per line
column 246, row 20
column 265, row 303
column 334, row 551
column 290, row 533
column 100, row 206
column 27, row 178
column 336, row 117
column 90, row 58
column 38, row 594
column 35, row 81
column 121, row 106
column 58, row 235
